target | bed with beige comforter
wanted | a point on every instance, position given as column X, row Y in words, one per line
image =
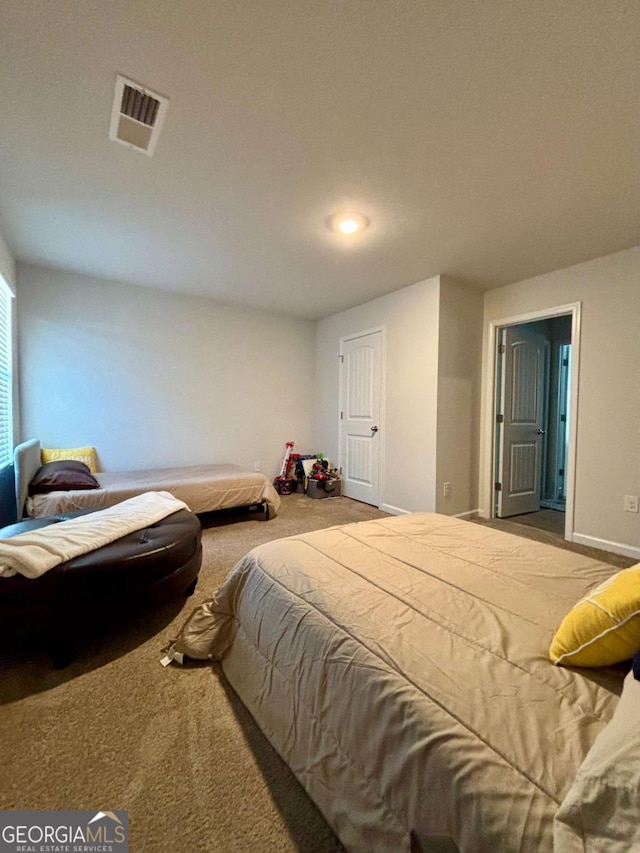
column 204, row 488
column 400, row 668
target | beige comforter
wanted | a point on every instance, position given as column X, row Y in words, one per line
column 400, row 668
column 204, row 488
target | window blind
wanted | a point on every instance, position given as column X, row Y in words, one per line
column 6, row 365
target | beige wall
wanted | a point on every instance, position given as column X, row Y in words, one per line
column 459, row 383
column 608, row 424
column 154, row 378
column 410, row 320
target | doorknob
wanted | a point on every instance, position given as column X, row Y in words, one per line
column 541, row 431
column 374, row 429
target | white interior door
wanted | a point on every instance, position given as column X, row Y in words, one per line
column 520, row 439
column 360, row 425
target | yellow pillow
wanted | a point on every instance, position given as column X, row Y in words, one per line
column 80, row 454
column 604, row 626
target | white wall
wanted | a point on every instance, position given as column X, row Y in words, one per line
column 410, row 319
column 7, row 263
column 608, row 427
column 156, row 379
column 459, row 385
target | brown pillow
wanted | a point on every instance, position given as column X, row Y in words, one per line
column 61, row 477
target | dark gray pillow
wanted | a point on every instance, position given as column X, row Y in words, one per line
column 62, row 476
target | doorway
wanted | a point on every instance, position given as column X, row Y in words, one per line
column 554, row 493
column 529, row 423
column 532, row 417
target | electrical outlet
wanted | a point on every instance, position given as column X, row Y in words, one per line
column 447, row 490
column 256, row 466
column 631, row 503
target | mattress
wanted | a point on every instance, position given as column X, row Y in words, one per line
column 399, row 667
column 204, row 488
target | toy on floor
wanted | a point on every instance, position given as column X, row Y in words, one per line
column 282, row 482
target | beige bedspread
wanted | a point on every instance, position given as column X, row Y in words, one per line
column 400, row 668
column 203, row 488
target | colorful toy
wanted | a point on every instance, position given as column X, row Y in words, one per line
column 282, row 482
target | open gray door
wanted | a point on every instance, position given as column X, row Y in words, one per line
column 522, row 413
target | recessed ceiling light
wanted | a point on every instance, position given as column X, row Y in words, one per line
column 348, row 223
column 348, row 226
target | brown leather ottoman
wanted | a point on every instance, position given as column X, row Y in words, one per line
column 148, row 567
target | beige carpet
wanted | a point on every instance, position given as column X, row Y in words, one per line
column 172, row 746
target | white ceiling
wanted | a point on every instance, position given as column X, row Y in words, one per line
column 491, row 140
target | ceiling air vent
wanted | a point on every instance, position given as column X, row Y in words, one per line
column 137, row 115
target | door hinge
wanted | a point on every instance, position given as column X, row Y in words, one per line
column 561, row 472
column 563, row 419
column 502, row 348
column 565, row 362
column 341, row 416
column 499, row 419
column 498, row 487
column 341, row 357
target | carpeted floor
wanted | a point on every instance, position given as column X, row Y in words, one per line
column 172, row 746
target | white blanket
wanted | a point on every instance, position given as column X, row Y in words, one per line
column 33, row 553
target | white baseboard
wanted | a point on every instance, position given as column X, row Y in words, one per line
column 471, row 513
column 605, row 545
column 394, row 510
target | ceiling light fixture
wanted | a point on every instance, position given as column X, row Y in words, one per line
column 348, row 223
